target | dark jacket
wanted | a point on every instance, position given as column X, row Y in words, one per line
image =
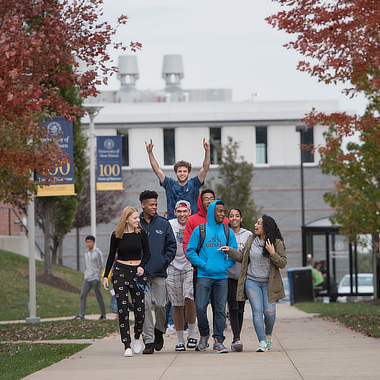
column 162, row 244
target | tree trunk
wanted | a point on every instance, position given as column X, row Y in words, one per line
column 47, row 222
column 78, row 249
column 60, row 251
column 54, row 249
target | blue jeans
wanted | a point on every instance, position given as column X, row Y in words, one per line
column 257, row 293
column 202, row 298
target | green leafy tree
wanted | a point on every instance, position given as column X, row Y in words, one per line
column 234, row 184
column 356, row 198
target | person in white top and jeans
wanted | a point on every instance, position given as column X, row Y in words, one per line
column 92, row 278
column 179, row 281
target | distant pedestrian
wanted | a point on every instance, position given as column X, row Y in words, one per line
column 260, row 280
column 93, row 259
column 130, row 242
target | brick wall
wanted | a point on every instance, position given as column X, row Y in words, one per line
column 9, row 222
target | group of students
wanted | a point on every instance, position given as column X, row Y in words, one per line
column 193, row 260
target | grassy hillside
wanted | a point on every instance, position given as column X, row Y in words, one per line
column 51, row 301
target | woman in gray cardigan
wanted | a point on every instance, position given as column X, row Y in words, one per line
column 260, row 280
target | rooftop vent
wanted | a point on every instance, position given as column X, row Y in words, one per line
column 128, row 70
column 172, row 70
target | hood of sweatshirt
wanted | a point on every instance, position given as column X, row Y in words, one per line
column 201, row 210
column 211, row 213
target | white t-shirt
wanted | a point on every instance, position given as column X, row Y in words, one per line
column 180, row 261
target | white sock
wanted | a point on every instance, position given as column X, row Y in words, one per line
column 192, row 327
column 180, row 337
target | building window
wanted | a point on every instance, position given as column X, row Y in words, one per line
column 307, row 139
column 216, row 145
column 169, row 146
column 125, row 146
column 261, row 145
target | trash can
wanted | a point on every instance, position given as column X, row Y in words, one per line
column 300, row 285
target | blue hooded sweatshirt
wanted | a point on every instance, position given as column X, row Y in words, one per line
column 211, row 263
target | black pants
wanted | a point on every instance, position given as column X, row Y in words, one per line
column 236, row 309
column 123, row 278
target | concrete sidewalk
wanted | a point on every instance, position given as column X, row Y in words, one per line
column 304, row 347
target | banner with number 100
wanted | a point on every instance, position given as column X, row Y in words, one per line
column 62, row 180
column 109, row 175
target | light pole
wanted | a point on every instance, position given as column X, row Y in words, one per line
column 302, row 128
column 92, row 110
column 32, row 265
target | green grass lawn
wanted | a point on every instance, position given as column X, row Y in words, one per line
column 51, row 302
column 363, row 317
column 82, row 329
column 18, row 360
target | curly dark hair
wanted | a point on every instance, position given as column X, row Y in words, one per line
column 271, row 232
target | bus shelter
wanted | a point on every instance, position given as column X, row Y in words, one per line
column 346, row 267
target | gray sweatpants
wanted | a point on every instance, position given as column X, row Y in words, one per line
column 86, row 287
column 157, row 297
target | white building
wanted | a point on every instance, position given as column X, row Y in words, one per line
column 177, row 121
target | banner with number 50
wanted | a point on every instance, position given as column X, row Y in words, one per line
column 61, row 178
column 109, row 175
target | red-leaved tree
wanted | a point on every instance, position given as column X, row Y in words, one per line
column 40, row 42
column 340, row 40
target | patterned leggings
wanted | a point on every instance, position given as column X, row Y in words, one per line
column 123, row 278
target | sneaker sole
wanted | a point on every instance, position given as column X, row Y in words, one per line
column 220, row 352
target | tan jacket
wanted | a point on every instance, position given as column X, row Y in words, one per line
column 277, row 261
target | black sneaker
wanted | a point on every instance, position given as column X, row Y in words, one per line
column 102, row 317
column 158, row 340
column 78, row 317
column 149, row 348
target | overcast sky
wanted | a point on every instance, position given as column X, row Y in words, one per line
column 224, row 44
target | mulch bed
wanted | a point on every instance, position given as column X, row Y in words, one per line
column 56, row 282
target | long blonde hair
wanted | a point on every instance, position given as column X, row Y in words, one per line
column 126, row 213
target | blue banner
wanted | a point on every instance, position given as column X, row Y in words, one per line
column 62, row 180
column 109, row 175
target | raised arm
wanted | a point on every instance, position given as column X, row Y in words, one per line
column 206, row 162
column 153, row 163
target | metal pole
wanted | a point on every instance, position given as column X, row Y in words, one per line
column 32, row 266
column 92, row 174
column 302, row 186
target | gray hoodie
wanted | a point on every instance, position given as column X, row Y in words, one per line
column 94, row 265
column 241, row 238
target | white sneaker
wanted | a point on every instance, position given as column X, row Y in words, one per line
column 128, row 352
column 170, row 330
column 262, row 347
column 136, row 346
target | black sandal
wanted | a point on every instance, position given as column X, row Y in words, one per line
column 180, row 347
column 191, row 343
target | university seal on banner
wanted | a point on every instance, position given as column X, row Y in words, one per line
column 54, row 128
column 109, row 144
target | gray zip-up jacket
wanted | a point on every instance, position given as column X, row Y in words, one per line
column 241, row 239
column 94, row 265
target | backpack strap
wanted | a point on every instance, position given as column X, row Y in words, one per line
column 202, row 236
